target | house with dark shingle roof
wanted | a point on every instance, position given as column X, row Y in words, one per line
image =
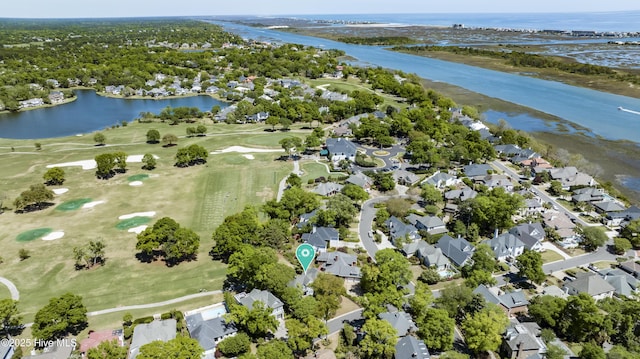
column 458, row 250
column 360, row 179
column 209, row 331
column 341, row 149
column 475, row 170
column 321, row 237
column 506, row 246
column 340, row 264
column 462, row 194
column 631, row 267
column 6, row 350
column 401, row 322
column 522, row 341
column 591, row 284
column 327, row 189
column 304, row 280
column 531, row 234
column 411, row 348
column 608, row 206
column 512, row 303
column 269, row 300
column 431, row 224
column 400, row 231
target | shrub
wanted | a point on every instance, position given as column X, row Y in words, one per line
column 235, row 345
column 143, row 320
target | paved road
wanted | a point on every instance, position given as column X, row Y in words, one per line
column 600, row 255
column 543, row 195
column 15, row 294
column 283, row 184
column 335, row 325
column 154, row 305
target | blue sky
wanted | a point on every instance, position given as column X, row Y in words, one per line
column 127, row 8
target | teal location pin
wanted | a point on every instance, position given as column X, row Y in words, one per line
column 305, row 254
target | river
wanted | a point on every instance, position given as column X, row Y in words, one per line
column 88, row 113
column 594, row 110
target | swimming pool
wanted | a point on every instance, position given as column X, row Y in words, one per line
column 214, row 312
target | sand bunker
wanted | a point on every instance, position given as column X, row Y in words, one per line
column 60, row 190
column 135, row 183
column 53, row 236
column 92, row 204
column 243, row 149
column 249, row 157
column 138, row 214
column 91, row 164
column 138, row 229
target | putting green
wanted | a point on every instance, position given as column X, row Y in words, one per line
column 73, row 205
column 28, row 236
column 132, row 222
column 138, row 177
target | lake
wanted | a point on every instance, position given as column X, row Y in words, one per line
column 89, row 112
column 594, row 110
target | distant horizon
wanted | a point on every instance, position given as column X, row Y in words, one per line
column 82, row 9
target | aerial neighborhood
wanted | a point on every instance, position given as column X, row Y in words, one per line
column 433, row 233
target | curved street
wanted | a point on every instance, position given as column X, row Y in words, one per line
column 15, row 294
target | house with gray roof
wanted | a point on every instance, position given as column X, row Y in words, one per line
column 360, row 179
column 209, row 331
column 532, row 206
column 401, row 322
column 631, row 267
column 588, row 194
column 405, row 178
column 341, row 149
column 399, row 231
column 475, row 170
column 506, row 246
column 340, row 264
column 433, row 257
column 441, row 180
column 59, row 350
column 458, row 250
column 462, row 194
column 624, row 283
column 321, row 237
column 522, row 341
column 495, row 181
column 512, row 303
column 163, row 330
column 531, row 234
column 269, row 300
column 328, row 189
column 304, row 280
column 6, row 350
column 409, row 347
column 608, row 206
column 555, row 291
column 570, row 176
column 591, row 284
column 563, row 226
column 621, row 218
column 431, row 224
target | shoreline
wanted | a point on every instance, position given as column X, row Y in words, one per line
column 49, row 105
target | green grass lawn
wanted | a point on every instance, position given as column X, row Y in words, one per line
column 354, row 84
column 4, row 292
column 550, row 256
column 313, row 170
column 198, row 197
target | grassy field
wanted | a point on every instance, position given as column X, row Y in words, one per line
column 549, row 256
column 4, row 292
column 198, row 197
column 355, row 85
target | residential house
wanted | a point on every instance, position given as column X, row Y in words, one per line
column 97, row 337
column 631, row 267
column 32, row 102
column 321, row 237
column 441, row 180
column 401, row 322
column 209, row 331
column 624, row 283
column 432, row 224
column 304, row 280
column 531, row 206
column 512, row 303
column 6, row 350
column 563, row 226
column 341, row 149
column 433, row 257
column 328, row 189
column 342, row 131
column 475, row 170
column 506, row 246
column 361, row 180
column 334, row 96
column 495, row 181
column 531, row 234
column 536, row 162
column 401, row 232
column 462, row 194
column 61, row 349
column 223, row 114
column 269, row 300
column 212, row 90
column 163, row 330
column 305, row 218
column 53, row 83
column 588, row 194
column 591, row 284
column 405, row 178
column 258, row 117
column 555, row 291
column 340, row 264
column 409, row 347
column 570, row 176
column 522, row 341
column 614, row 219
column 458, row 250
column 56, row 97
column 608, row 206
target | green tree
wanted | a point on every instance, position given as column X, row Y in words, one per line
column 483, row 330
column 99, row 138
column 276, row 233
column 257, row 321
column 169, row 139
column 593, row 237
column 494, row 210
column 201, row 130
column 620, row 352
column 459, row 301
column 592, row 351
column 453, row 355
column 547, row 310
column 148, row 162
column 183, row 245
column 355, row 192
column 398, row 207
column 245, row 263
column 153, row 136
column 302, row 333
column 554, row 352
column 54, row 176
column 10, row 319
column 291, row 145
column 120, row 159
column 387, row 278
column 180, row 347
column 168, row 239
column 183, row 158
column 579, row 313
column 104, row 165
column 436, row 329
column 274, row 349
column 63, row 315
column 108, row 350
column 529, row 264
column 294, row 180
column 431, row 194
column 632, row 232
column 24, row 254
column 621, row 245
column 35, row 198
column 328, row 291
column 236, row 230
column 235, row 345
column 379, row 341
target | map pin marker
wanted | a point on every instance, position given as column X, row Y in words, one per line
column 305, row 254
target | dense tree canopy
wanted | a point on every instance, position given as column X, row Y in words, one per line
column 35, row 198
column 181, row 347
column 166, row 238
column 63, row 315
